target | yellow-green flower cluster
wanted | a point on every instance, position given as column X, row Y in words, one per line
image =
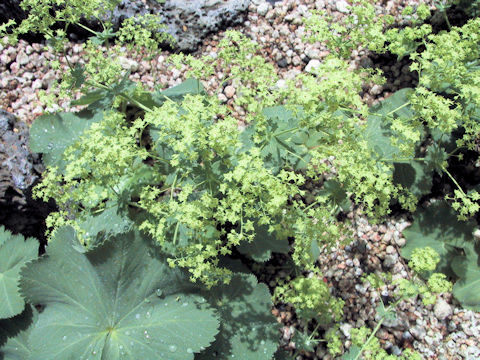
column 311, row 299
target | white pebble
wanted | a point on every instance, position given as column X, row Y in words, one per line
column 442, row 310
column 229, row 91
column 343, row 6
column 312, row 64
column 263, row 8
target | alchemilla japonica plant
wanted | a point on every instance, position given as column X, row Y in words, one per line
column 157, row 190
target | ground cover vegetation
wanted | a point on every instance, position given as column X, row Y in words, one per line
column 160, row 193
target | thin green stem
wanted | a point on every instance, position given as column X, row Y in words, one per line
column 159, row 158
column 454, row 151
column 311, row 205
column 87, row 28
column 371, row 336
column 398, row 108
column 286, row 131
column 173, row 186
column 393, row 111
column 402, row 159
column 125, row 96
column 133, row 101
column 134, row 204
column 297, row 156
column 444, row 13
column 175, row 234
column 453, row 179
column 314, row 331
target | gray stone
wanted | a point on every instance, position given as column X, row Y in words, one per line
column 418, row 332
column 262, row 9
column 17, row 163
column 342, row 6
column 442, row 310
column 128, row 64
column 390, row 260
column 312, row 64
column 345, row 329
column 376, row 89
column 189, row 22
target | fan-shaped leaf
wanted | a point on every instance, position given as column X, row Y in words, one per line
column 114, row 302
column 52, row 134
column 413, row 176
column 248, row 329
column 264, row 243
column 189, row 86
column 437, row 227
column 467, row 288
column 14, row 335
column 15, row 251
column 378, row 133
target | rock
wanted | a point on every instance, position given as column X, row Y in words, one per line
column 476, row 234
column 390, row 249
column 189, row 22
column 15, row 155
column 22, row 58
column 229, row 91
column 282, row 63
column 345, row 329
column 418, row 332
column 442, row 310
column 48, row 79
column 390, row 260
column 399, row 241
column 262, row 9
column 342, row 6
column 376, row 89
column 296, row 60
column 19, row 169
column 280, row 84
column 312, row 53
column 312, row 64
column 128, row 64
column 37, row 84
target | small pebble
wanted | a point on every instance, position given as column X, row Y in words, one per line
column 229, row 91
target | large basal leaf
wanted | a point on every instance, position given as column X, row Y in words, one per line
column 248, row 330
column 262, row 246
column 52, row 134
column 15, row 251
column 437, row 227
column 377, row 132
column 14, row 333
column 467, row 268
column 414, row 176
column 176, row 93
column 284, row 143
column 337, row 194
column 116, row 301
column 109, row 222
column 103, row 99
column 353, row 353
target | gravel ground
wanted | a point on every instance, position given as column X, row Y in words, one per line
column 442, row 331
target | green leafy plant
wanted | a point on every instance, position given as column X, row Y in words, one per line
column 437, row 228
column 156, row 190
column 15, row 251
column 126, row 303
